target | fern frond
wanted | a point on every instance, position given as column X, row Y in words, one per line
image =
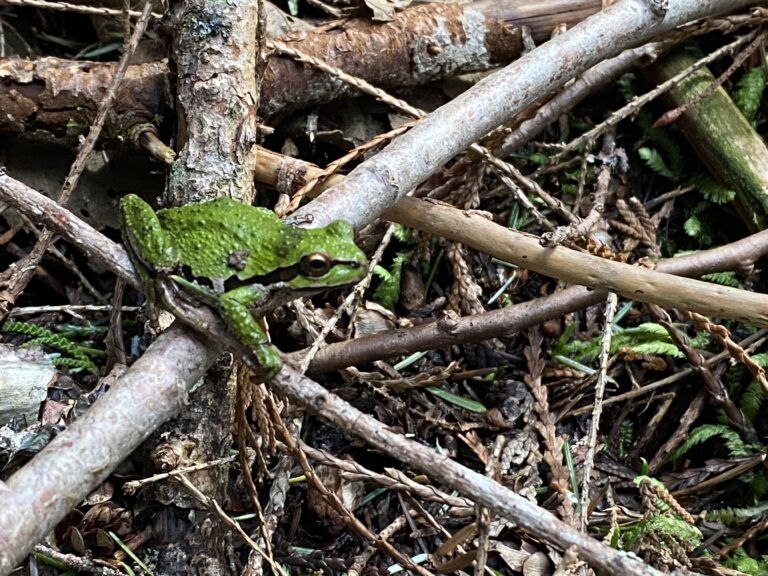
column 655, row 162
column 670, row 148
column 724, row 279
column 647, row 338
column 626, row 87
column 45, row 337
column 752, row 401
column 734, row 444
column 403, row 234
column 692, row 226
column 711, row 190
column 761, row 359
column 742, row 562
column 75, row 364
column 657, row 348
column 582, row 350
column 731, row 516
column 388, row 291
column 749, row 92
column 701, row 341
column 646, row 330
column 663, row 525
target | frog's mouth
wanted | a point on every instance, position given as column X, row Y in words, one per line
column 283, row 276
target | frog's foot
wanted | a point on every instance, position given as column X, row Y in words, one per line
column 235, row 308
column 269, row 360
column 199, row 318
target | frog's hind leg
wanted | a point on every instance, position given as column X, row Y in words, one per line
column 235, row 308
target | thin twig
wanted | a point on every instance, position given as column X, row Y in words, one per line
column 22, row 274
column 80, row 8
column 213, row 506
column 78, row 562
column 723, row 335
column 640, row 101
column 334, row 501
column 602, row 376
column 133, row 486
column 671, row 116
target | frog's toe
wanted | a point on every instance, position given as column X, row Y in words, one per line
column 269, row 359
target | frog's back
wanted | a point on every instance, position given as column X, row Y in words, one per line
column 207, row 234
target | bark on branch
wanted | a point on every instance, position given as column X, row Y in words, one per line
column 422, row 44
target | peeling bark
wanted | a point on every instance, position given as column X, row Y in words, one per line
column 422, row 44
column 61, row 95
column 214, row 55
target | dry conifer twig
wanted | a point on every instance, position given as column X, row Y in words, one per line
column 651, row 491
column 546, row 424
column 723, row 335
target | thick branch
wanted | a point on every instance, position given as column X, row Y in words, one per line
column 379, row 182
column 422, row 44
column 505, row 244
column 57, row 479
column 506, row 321
column 732, row 150
column 632, row 282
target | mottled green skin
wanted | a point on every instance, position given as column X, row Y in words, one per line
column 226, row 241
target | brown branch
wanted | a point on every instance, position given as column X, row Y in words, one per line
column 422, row 44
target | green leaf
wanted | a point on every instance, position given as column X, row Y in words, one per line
column 459, row 401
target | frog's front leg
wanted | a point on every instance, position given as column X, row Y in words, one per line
column 149, row 246
column 236, row 310
column 145, row 235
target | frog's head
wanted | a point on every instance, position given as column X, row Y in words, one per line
column 328, row 258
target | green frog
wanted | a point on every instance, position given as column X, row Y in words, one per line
column 241, row 260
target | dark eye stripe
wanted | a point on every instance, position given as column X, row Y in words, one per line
column 279, row 275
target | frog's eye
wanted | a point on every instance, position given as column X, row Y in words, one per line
column 315, row 264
